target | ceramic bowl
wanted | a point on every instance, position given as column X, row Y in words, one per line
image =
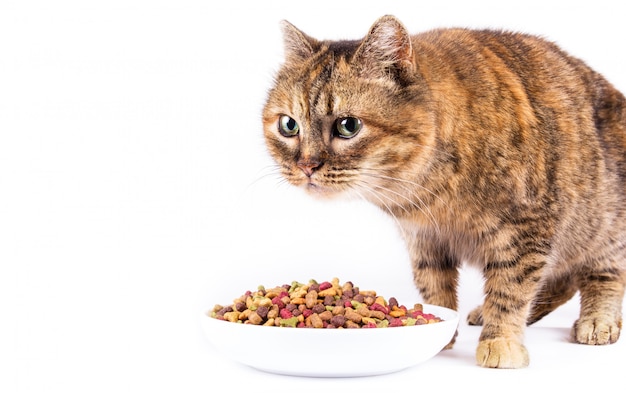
column 332, row 352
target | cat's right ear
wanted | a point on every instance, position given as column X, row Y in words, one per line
column 298, row 46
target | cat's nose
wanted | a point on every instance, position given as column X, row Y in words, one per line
column 309, row 166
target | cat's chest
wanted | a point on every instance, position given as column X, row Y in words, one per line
column 465, row 237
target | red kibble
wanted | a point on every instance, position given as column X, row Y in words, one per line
column 301, row 324
column 325, row 285
column 369, row 325
column 307, row 312
column 278, row 302
column 285, row 314
column 395, row 322
column 347, row 304
column 379, row 307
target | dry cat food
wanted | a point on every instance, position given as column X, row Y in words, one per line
column 320, row 305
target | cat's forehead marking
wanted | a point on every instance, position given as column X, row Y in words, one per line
column 324, row 77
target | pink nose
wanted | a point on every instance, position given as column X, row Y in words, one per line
column 309, row 166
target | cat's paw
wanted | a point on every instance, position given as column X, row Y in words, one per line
column 501, row 353
column 596, row 331
column 475, row 317
column 451, row 343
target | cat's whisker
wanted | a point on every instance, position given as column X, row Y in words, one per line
column 423, row 207
column 364, row 186
column 272, row 171
column 379, row 175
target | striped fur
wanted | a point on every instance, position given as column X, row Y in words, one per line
column 491, row 148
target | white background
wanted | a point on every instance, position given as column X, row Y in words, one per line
column 136, row 192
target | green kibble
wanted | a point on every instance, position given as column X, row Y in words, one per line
column 289, row 322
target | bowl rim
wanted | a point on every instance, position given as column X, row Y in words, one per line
column 451, row 316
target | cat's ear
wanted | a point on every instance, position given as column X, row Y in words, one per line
column 298, row 46
column 385, row 50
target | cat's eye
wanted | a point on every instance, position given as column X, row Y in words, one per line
column 288, row 126
column 347, row 127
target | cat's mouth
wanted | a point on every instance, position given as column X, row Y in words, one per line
column 318, row 190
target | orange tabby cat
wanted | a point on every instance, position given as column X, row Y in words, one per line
column 487, row 147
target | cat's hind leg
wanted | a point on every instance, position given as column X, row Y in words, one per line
column 601, row 294
column 552, row 294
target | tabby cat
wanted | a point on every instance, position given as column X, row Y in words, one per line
column 491, row 148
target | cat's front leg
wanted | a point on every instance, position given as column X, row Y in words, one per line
column 510, row 286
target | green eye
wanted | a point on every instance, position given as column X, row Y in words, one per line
column 288, row 126
column 347, row 127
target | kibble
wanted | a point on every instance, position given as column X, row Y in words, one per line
column 321, row 305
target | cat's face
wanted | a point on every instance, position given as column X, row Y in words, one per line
column 347, row 117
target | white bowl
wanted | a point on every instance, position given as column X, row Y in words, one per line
column 332, row 352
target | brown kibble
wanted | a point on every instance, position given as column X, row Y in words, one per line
column 311, row 299
column 338, row 320
column 377, row 314
column 328, row 292
column 352, row 325
column 364, row 311
column 318, row 308
column 262, row 311
column 316, row 321
column 273, row 312
column 245, row 314
column 254, row 318
column 353, row 315
column 339, row 310
column 224, row 310
column 232, row 316
column 326, row 315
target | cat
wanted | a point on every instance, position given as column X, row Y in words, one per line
column 487, row 147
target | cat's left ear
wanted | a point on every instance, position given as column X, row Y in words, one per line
column 385, row 50
column 298, row 46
